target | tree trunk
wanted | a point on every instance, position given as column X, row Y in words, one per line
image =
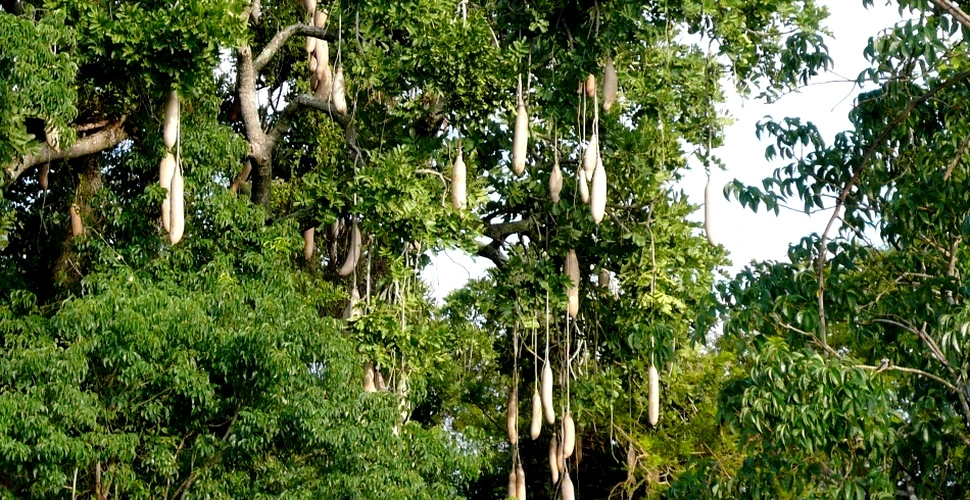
column 262, row 177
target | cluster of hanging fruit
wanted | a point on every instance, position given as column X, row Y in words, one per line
column 170, row 172
column 325, row 83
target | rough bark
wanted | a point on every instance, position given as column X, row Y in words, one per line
column 99, row 141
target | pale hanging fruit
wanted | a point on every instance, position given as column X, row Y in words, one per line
column 311, row 45
column 590, row 156
column 554, row 459
column 590, row 85
column 566, row 489
column 42, row 175
column 166, row 170
column 653, row 412
column 379, row 377
column 572, row 293
column 308, row 244
column 708, row 222
column 339, row 96
column 597, row 195
column 77, row 226
column 170, row 130
column 320, row 18
column 513, row 485
column 555, row 182
column 520, row 140
column 351, row 310
column 560, row 458
column 520, row 483
column 609, row 84
column 353, row 253
column 546, row 396
column 536, row 426
column 369, row 385
column 459, row 196
column 178, row 207
column 512, row 419
column 583, row 186
column 603, row 280
column 324, row 73
column 568, row 435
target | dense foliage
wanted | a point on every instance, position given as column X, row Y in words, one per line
column 238, row 362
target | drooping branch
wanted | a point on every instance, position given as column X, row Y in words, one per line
column 863, row 163
column 102, row 140
column 954, row 10
column 281, row 38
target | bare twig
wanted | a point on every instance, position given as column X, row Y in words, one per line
column 956, row 159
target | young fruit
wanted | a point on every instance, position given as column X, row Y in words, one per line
column 653, row 412
column 583, row 186
column 520, row 483
column 320, row 18
column 597, row 195
column 568, row 436
column 308, row 244
column 353, row 253
column 572, row 293
column 520, row 141
column 166, row 170
column 536, row 427
column 546, row 396
column 555, row 182
column 339, row 97
column 369, row 378
column 311, row 45
column 590, row 85
column 566, row 490
column 459, row 197
column 42, row 175
column 178, row 207
column 553, row 459
column 77, row 226
column 351, row 311
column 708, row 222
column 590, row 156
column 603, row 280
column 609, row 84
column 512, row 419
column 170, row 130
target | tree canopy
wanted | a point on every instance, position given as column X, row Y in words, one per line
column 215, row 213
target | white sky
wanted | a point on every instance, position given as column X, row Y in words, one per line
column 752, row 236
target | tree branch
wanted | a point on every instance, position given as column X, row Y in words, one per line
column 863, row 163
column 281, row 38
column 954, row 11
column 247, row 99
column 94, row 143
column 956, row 158
column 963, row 399
column 285, row 120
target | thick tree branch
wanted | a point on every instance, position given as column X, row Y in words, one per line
column 863, row 163
column 104, row 139
column 281, row 38
column 501, row 230
column 493, row 253
column 246, row 84
column 954, row 10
